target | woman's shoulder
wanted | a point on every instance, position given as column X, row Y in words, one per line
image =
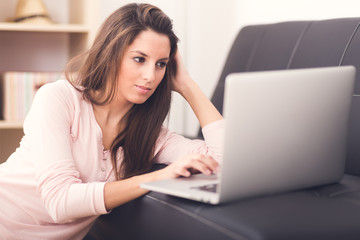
column 59, row 86
column 60, row 89
column 59, row 98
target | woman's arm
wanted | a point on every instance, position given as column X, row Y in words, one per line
column 204, row 110
column 122, row 191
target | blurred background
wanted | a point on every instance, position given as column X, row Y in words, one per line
column 206, row 30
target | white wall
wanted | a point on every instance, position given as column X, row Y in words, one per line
column 211, row 28
column 264, row 11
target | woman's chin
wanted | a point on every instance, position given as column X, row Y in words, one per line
column 139, row 100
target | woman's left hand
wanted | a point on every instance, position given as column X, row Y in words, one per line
column 182, row 83
column 182, row 78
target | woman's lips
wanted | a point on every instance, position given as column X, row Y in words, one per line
column 142, row 89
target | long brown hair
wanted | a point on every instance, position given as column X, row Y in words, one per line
column 99, row 70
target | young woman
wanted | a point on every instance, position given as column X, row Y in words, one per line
column 91, row 140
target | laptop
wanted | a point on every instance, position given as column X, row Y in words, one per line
column 285, row 130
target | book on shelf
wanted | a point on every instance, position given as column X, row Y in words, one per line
column 18, row 90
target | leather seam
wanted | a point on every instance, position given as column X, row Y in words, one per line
column 254, row 51
column 348, row 44
column 301, row 36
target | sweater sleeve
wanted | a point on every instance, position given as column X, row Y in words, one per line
column 48, row 129
column 172, row 146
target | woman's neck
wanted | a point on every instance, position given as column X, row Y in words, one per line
column 109, row 118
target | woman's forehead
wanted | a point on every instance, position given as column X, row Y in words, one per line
column 152, row 44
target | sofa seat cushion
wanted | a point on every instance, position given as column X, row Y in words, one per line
column 326, row 212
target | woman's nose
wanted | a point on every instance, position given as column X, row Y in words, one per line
column 149, row 73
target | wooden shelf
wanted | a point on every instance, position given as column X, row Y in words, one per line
column 57, row 43
column 56, row 28
column 10, row 125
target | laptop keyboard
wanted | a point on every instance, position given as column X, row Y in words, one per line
column 207, row 188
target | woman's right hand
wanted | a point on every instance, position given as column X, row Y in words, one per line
column 120, row 192
column 189, row 164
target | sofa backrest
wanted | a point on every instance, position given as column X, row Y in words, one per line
column 300, row 44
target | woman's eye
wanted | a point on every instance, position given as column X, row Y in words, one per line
column 139, row 59
column 161, row 64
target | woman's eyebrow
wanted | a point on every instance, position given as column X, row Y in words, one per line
column 139, row 52
column 164, row 59
column 145, row 55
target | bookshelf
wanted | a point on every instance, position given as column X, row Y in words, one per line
column 56, row 28
column 34, row 48
column 10, row 125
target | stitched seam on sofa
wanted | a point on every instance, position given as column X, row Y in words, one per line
column 301, row 36
column 348, row 44
column 207, row 222
column 342, row 192
column 253, row 51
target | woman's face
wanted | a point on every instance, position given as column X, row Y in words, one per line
column 143, row 67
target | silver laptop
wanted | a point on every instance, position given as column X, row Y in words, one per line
column 285, row 130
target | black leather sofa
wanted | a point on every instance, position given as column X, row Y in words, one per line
column 326, row 212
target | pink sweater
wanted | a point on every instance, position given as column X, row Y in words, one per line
column 52, row 186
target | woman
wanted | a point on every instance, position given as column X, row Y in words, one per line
column 91, row 140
